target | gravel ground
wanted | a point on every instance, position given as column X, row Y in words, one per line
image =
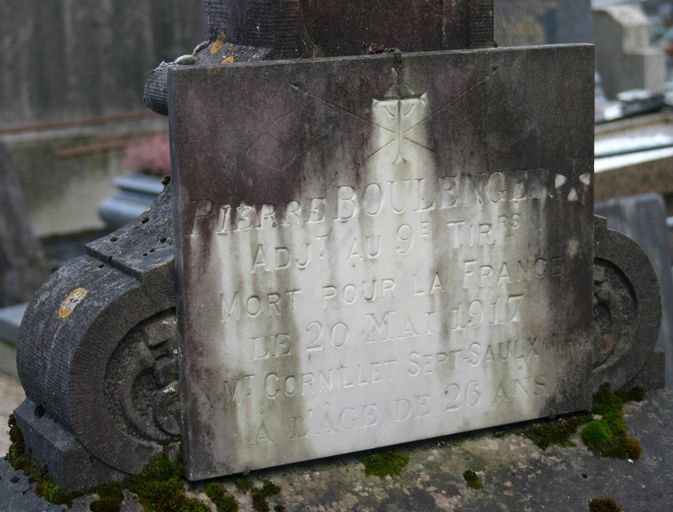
column 517, row 476
column 11, row 395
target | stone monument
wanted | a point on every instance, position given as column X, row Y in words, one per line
column 527, row 22
column 364, row 263
column 362, row 250
column 625, row 57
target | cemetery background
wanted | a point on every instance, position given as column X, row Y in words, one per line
column 43, row 211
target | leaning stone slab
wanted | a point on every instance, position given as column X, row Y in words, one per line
column 377, row 250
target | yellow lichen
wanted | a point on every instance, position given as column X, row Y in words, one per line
column 218, row 43
column 73, row 300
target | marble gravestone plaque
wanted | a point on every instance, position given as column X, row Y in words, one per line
column 375, row 250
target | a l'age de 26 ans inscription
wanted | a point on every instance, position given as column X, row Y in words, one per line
column 402, row 287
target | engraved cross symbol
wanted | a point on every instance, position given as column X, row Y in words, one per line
column 398, row 118
column 576, row 187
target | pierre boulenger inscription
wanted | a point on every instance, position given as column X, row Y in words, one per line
column 363, row 334
column 398, row 297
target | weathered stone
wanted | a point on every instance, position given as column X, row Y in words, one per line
column 98, row 352
column 643, row 220
column 252, row 30
column 69, row 463
column 354, row 253
column 213, row 53
column 295, row 28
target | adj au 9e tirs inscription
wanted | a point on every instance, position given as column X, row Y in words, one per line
column 374, row 250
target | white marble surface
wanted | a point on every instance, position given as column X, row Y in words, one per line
column 391, row 293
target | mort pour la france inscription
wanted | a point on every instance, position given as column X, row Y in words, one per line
column 373, row 252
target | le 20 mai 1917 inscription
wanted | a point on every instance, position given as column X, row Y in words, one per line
column 394, row 258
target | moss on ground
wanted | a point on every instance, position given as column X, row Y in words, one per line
column 473, row 480
column 19, row 460
column 607, row 434
column 243, row 484
column 51, row 492
column 110, row 498
column 160, row 489
column 261, row 494
column 604, row 505
column 604, row 431
column 385, row 464
column 218, row 494
column 159, row 486
column 557, row 432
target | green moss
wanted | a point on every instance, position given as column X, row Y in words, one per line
column 604, row 505
column 473, row 480
column 607, row 435
column 218, row 494
column 605, row 432
column 279, row 508
column 634, row 395
column 259, row 502
column 16, row 456
column 260, row 495
column 19, row 460
column 110, row 498
column 243, row 484
column 385, row 464
column 159, row 488
column 270, row 489
column 51, row 492
column 556, row 432
column 596, row 433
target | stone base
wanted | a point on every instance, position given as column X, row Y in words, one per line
column 70, row 465
column 517, row 475
column 653, row 374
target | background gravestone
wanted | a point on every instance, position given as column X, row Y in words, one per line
column 643, row 219
column 22, row 265
column 526, row 22
column 625, row 58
